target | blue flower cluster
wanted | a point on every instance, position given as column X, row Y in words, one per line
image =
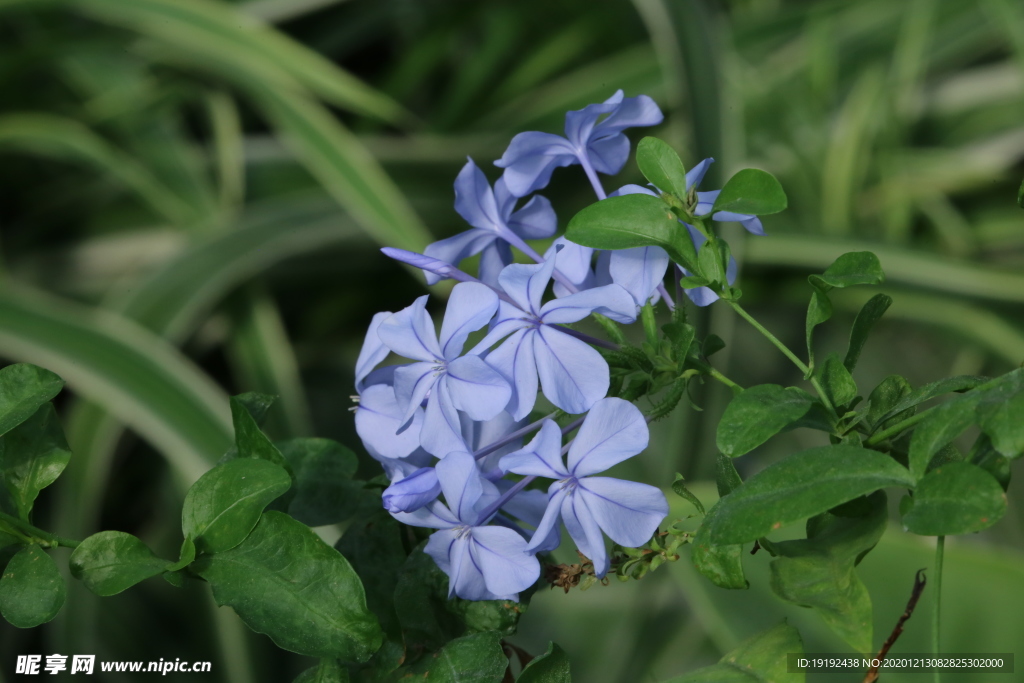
column 449, row 426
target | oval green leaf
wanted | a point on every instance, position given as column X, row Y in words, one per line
column 958, row 498
column 226, row 503
column 761, row 659
column 112, row 561
column 662, row 166
column 634, row 220
column 477, row 657
column 285, row 582
column 752, row 191
column 32, row 589
column 801, row 486
column 32, row 456
column 23, row 388
column 759, row 413
column 550, row 667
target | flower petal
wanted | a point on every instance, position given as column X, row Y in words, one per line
column 572, row 374
column 493, row 259
column 379, row 416
column 696, row 174
column 456, row 248
column 412, row 384
column 631, row 113
column 531, row 158
column 461, row 483
column 529, row 506
column 442, row 431
column 541, row 457
column 579, row 124
column 410, row 332
column 503, row 559
column 614, row 430
column 573, row 261
column 548, row 524
column 470, row 306
column 373, row 351
column 610, row 300
column 525, row 283
column 705, row 201
column 476, row 388
column 515, row 361
column 412, row 492
column 608, row 155
column 436, row 515
column 627, row 511
column 639, row 271
column 439, row 546
column 509, row 319
column 535, row 220
column 585, row 533
column 633, row 189
column 751, row 224
column 474, row 199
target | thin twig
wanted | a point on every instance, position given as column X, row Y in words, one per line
column 915, row 595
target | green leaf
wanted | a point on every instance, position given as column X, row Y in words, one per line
column 751, row 191
column 476, row 658
column 944, row 423
column 186, row 556
column 958, row 498
column 285, row 582
column 324, row 490
column 112, row 561
column 662, row 166
column 32, row 456
column 327, row 671
column 1001, row 414
column 683, row 492
column 373, row 545
column 916, row 397
column 32, row 589
column 250, row 441
column 1020, row 196
column 820, row 573
column 836, row 381
column 987, row 458
column 709, row 263
column 23, row 389
column 226, row 503
column 761, row 659
column 635, row 220
column 758, row 413
column 801, row 486
column 727, row 479
column 883, row 398
column 852, row 268
column 257, row 405
column 550, row 667
column 721, row 564
column 865, row 321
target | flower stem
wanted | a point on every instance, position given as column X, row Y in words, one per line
column 592, row 177
column 582, row 336
column 940, row 544
column 897, row 428
column 35, row 534
column 712, row 372
column 505, row 497
column 505, row 440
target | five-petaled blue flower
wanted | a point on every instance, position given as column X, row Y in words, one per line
column 600, row 146
column 628, row 512
column 448, row 382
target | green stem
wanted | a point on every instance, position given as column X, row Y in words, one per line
column 712, row 372
column 789, row 354
column 940, row 544
column 35, row 534
column 897, row 428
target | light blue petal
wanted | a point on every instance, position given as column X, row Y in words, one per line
column 585, row 533
column 442, row 432
column 507, row 566
column 433, row 516
column 412, row 384
column 530, row 160
column 614, row 430
column 573, row 262
column 378, row 419
column 572, row 374
column 476, row 388
column 705, row 201
column 627, row 511
column 632, row 112
column 535, row 220
column 529, row 506
column 466, row 579
column 751, row 224
column 701, row 296
column 373, row 351
column 515, row 361
column 410, row 332
column 639, row 270
column 696, row 174
column 505, row 200
column 461, row 483
column 508, row 320
column 525, row 283
column 730, row 271
column 611, row 300
column 608, row 155
column 470, row 307
column 412, row 492
column 439, row 547
column 579, row 124
column 432, row 266
column 456, row 248
column 633, row 189
column 548, row 524
column 541, row 457
column 474, row 199
column 493, row 259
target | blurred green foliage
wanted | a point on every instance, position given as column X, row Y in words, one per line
column 195, row 191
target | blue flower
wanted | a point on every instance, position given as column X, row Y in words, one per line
column 482, row 562
column 449, row 383
column 411, row 489
column 573, row 375
column 600, row 146
column 628, row 512
column 496, row 225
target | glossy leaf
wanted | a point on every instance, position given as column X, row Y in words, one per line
column 883, row 398
column 752, row 191
column 325, row 492
column 285, row 582
column 801, row 486
column 761, row 659
column 373, row 546
column 727, row 479
column 32, row 589
column 819, row 571
column 635, row 220
column 960, row 383
column 250, row 441
column 32, row 456
column 662, row 166
column 1001, row 414
column 958, row 498
column 679, row 488
column 226, row 503
column 476, row 658
column 550, row 667
column 944, row 423
column 852, row 268
column 865, row 321
column 327, row 671
column 721, row 564
column 23, row 389
column 112, row 561
column 758, row 413
column 836, row 380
